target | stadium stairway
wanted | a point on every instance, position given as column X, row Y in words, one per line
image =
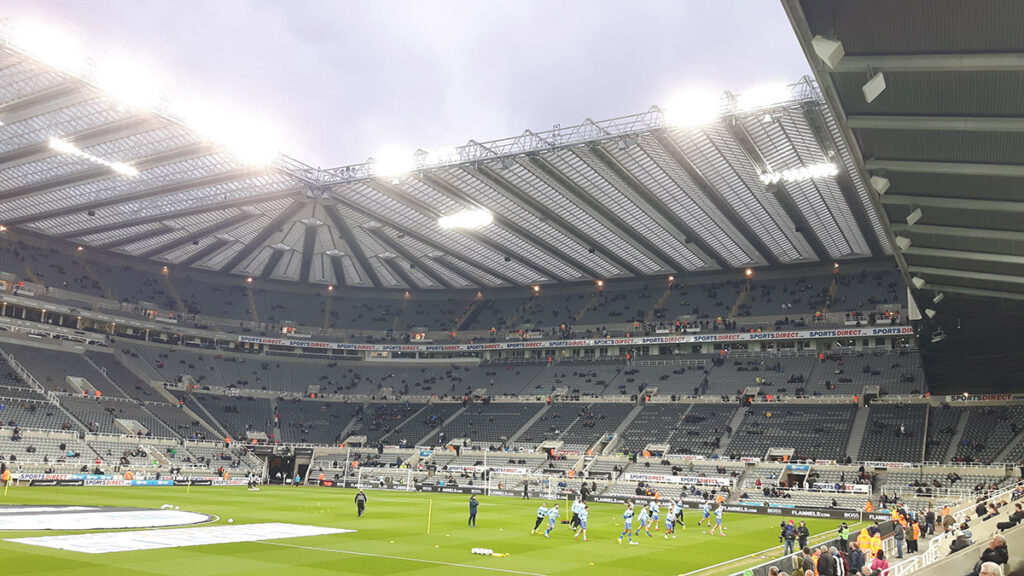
column 954, row 442
column 734, row 312
column 529, row 423
column 734, row 423
column 857, row 430
column 426, row 439
column 650, row 317
column 622, row 426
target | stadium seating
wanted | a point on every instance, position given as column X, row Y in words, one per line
column 490, row 423
column 812, row 430
column 989, row 430
column 314, row 422
column 239, row 414
column 51, row 368
column 942, row 425
column 883, row 440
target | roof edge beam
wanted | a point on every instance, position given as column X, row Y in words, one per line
column 950, row 123
column 983, row 62
column 961, row 168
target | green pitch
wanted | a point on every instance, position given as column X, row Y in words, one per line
column 391, row 537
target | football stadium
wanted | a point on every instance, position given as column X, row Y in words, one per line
column 767, row 331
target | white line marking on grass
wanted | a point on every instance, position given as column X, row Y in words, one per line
column 470, row 566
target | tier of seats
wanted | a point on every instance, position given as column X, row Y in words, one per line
column 813, row 431
column 490, row 423
column 885, row 440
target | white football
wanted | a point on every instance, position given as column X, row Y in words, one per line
column 231, row 520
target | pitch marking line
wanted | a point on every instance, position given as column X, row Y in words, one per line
column 470, row 566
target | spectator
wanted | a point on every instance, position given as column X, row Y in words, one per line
column 879, row 563
column 996, row 553
column 1014, row 519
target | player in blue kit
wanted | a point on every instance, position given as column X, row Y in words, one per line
column 706, row 511
column 584, row 515
column 542, row 513
column 718, row 520
column 627, row 521
column 670, row 524
column 644, row 521
column 552, row 518
column 655, row 515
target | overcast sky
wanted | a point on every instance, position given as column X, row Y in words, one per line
column 340, row 80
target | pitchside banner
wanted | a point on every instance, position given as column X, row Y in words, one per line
column 590, row 342
column 669, row 479
column 39, row 479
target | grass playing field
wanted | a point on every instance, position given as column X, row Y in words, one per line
column 391, row 538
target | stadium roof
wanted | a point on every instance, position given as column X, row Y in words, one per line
column 759, row 182
column 946, row 133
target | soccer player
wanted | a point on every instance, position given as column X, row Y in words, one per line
column 655, row 515
column 644, row 520
column 577, row 507
column 670, row 524
column 584, row 515
column 542, row 513
column 360, row 502
column 718, row 520
column 677, row 511
column 552, row 518
column 627, row 521
column 706, row 511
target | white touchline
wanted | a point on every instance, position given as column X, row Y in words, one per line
column 470, row 566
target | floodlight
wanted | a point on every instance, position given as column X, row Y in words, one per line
column 393, row 163
column 693, row 108
column 903, row 242
column 466, row 220
column 918, row 282
column 445, row 155
column 65, row 147
column 914, row 216
column 810, row 172
column 48, row 44
column 874, row 87
column 130, row 82
column 880, row 184
column 938, row 298
column 763, row 96
column 930, row 313
column 536, row 288
column 749, row 272
column 830, row 51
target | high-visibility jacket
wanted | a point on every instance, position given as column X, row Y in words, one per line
column 916, row 532
column 876, row 544
column 869, row 507
column 864, row 540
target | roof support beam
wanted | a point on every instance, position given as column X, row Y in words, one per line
column 134, row 238
column 308, row 245
column 269, row 230
column 812, row 112
column 958, row 232
column 928, row 271
column 980, row 292
column 272, row 262
column 662, row 212
column 398, row 271
column 972, row 256
column 103, row 173
column 580, row 197
column 739, row 133
column 171, row 216
column 53, row 98
column 961, row 168
column 495, row 181
column 953, row 203
column 414, row 260
column 84, row 139
column 353, row 244
column 215, row 246
column 427, row 241
column 948, row 123
column 422, row 208
column 717, row 199
column 990, row 62
column 517, row 230
column 215, row 228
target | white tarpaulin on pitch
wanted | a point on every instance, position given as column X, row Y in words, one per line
column 104, row 542
column 75, row 518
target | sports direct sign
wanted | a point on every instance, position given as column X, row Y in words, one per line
column 669, row 479
column 589, row 342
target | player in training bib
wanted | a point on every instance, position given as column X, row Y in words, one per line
column 627, row 522
column 718, row 520
column 706, row 511
column 644, row 521
column 542, row 513
column 655, row 515
column 552, row 518
column 584, row 515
